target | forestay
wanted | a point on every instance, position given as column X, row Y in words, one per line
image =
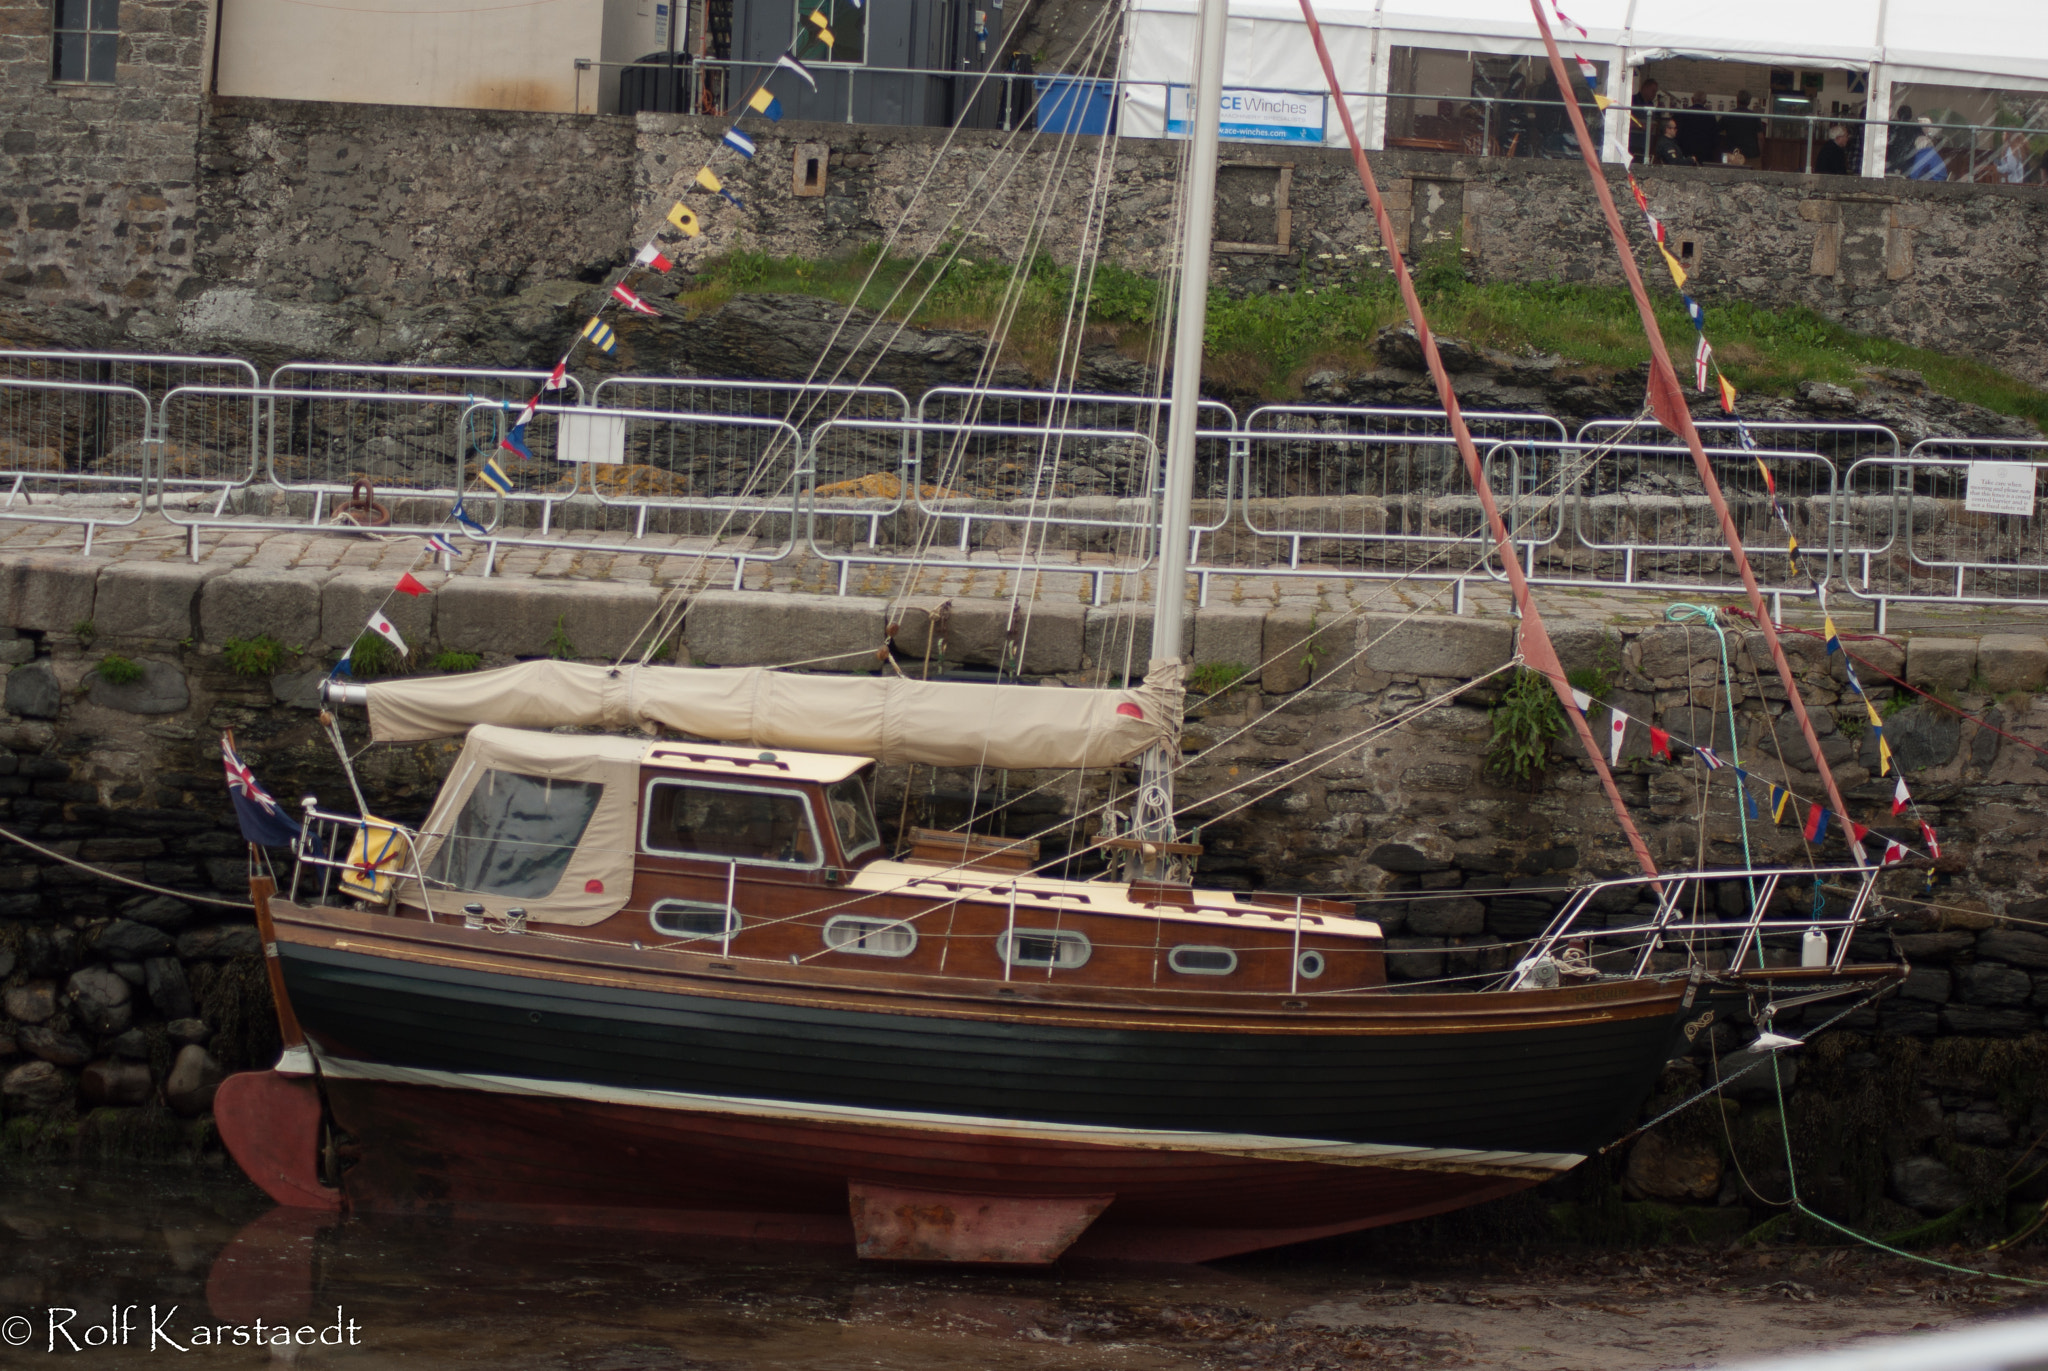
column 892, row 719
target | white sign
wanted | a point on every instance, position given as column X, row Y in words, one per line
column 2000, row 488
column 591, row 438
column 1254, row 116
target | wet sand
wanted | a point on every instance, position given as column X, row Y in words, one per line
column 424, row 1294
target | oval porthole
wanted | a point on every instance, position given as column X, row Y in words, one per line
column 1045, row 947
column 690, row 919
column 1191, row 959
column 1311, row 965
column 869, row 937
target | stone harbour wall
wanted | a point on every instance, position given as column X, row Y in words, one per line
column 283, row 229
column 122, row 1008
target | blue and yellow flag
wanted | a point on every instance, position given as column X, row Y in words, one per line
column 601, row 335
column 494, row 476
column 766, row 105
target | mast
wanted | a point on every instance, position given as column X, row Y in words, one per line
column 1153, row 819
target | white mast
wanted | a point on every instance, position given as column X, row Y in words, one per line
column 1154, row 816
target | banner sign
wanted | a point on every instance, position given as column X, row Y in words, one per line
column 1255, row 116
column 2000, row 488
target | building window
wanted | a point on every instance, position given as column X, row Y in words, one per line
column 1044, row 947
column 848, row 24
column 1191, row 959
column 870, row 937
column 83, row 36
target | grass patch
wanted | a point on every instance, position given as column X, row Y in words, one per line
column 560, row 647
column 456, row 662
column 1266, row 343
column 115, row 669
column 1214, row 678
column 1526, row 719
column 372, row 655
column 258, row 656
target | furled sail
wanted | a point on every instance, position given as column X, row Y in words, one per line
column 892, row 719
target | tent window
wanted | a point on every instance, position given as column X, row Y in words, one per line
column 730, row 823
column 853, row 816
column 515, row 835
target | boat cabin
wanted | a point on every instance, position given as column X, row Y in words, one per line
column 746, row 855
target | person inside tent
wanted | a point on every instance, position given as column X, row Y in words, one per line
column 1926, row 162
column 1698, row 131
column 1899, row 140
column 1643, row 119
column 1832, row 157
column 1742, row 133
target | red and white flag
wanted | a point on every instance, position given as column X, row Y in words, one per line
column 1701, row 357
column 557, row 378
column 410, row 584
column 632, row 301
column 652, row 256
column 1900, row 799
column 1582, row 700
column 1893, row 852
column 1617, row 725
column 1933, row 843
column 387, row 630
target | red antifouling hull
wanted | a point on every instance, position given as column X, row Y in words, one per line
column 486, row 1155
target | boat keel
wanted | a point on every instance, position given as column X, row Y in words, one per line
column 894, row 1224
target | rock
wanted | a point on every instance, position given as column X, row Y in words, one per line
column 129, row 940
column 2012, row 661
column 33, row 1087
column 6, row 962
column 164, row 982
column 1663, row 1170
column 59, row 1047
column 31, row 1003
column 134, row 1045
column 2011, row 945
column 130, row 972
column 1762, row 1083
column 752, row 628
column 114, row 1083
column 1983, row 1126
column 249, row 603
column 218, row 942
column 162, row 690
column 1990, row 983
column 187, row 1031
column 1989, row 1021
column 1928, row 983
column 1442, row 645
column 33, row 692
column 194, row 1078
column 1415, row 959
column 1447, row 918
column 1419, row 849
column 1398, row 345
column 1941, row 945
column 159, row 911
column 527, row 617
column 1944, row 663
column 1924, row 1184
column 1920, row 736
column 99, row 999
column 149, row 599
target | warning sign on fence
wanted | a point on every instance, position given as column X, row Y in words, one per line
column 2000, row 488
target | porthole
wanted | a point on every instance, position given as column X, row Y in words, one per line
column 1191, row 959
column 1311, row 965
column 869, row 937
column 694, row 919
column 1046, row 947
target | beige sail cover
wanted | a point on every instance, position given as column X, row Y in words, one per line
column 892, row 719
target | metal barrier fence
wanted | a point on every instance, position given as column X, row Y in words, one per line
column 1917, row 539
column 86, row 444
column 1029, row 498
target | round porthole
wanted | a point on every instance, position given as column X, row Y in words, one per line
column 1311, row 965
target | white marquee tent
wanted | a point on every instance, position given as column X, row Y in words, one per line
column 1974, row 44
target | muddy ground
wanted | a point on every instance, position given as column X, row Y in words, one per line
column 208, row 1247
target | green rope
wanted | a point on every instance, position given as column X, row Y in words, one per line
column 1684, row 613
column 1799, row 1204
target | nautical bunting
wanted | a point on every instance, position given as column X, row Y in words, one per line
column 709, row 180
column 1933, row 844
column 1727, row 393
column 766, row 105
column 601, row 335
column 1582, row 700
column 632, row 301
column 789, row 60
column 1660, row 743
column 651, row 256
column 740, row 143
column 493, row 475
column 824, row 34
column 1900, row 799
column 468, row 525
column 438, row 543
column 409, row 584
column 1702, row 358
column 1711, row 758
column 1893, row 852
column 386, row 630
column 684, row 218
column 1616, row 727
column 1816, row 823
column 558, row 379
column 514, row 441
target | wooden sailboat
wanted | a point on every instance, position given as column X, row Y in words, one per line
column 678, row 984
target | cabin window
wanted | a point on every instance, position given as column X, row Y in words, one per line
column 870, row 937
column 730, row 823
column 694, row 919
column 515, row 835
column 853, row 815
column 1047, row 947
column 1190, row 959
column 1311, row 965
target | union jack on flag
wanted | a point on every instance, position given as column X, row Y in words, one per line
column 263, row 821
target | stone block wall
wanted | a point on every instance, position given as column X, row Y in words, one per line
column 98, row 183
